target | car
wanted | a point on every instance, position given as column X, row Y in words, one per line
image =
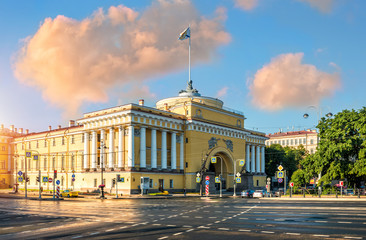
column 69, row 193
column 247, row 193
column 348, row 191
column 259, row 193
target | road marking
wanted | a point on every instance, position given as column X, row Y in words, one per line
column 79, row 236
column 260, row 219
column 171, row 225
column 243, row 218
column 123, row 227
column 345, row 222
column 212, row 217
column 244, row 230
column 353, row 237
column 176, row 234
column 155, row 220
column 224, row 229
column 321, row 221
column 297, row 234
column 198, row 217
column 185, row 216
column 109, row 230
column 156, row 224
column 217, row 221
column 266, row 232
column 204, row 227
column 187, row 226
column 94, row 233
column 280, row 219
column 163, row 237
column 7, row 228
column 26, row 232
column 135, row 225
column 190, row 230
column 318, row 235
column 209, row 224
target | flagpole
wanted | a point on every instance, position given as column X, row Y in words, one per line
column 189, row 55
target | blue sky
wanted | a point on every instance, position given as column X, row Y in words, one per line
column 272, row 47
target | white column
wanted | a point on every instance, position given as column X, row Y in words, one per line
column 154, row 161
column 173, row 151
column 131, row 147
column 258, row 155
column 121, row 138
column 263, row 170
column 94, row 150
column 163, row 150
column 142, row 147
column 86, row 150
column 102, row 152
column 181, row 157
column 111, row 148
column 253, row 159
column 247, row 158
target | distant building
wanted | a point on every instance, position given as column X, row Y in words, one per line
column 309, row 139
column 161, row 148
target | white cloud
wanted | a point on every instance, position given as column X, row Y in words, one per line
column 287, row 82
column 73, row 62
column 222, row 92
column 324, row 6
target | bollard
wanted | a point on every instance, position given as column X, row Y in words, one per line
column 337, row 193
column 358, row 195
column 303, row 192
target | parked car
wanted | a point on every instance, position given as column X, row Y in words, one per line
column 68, row 193
column 259, row 193
column 348, row 191
column 247, row 193
column 278, row 193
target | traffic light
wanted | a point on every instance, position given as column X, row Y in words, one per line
column 55, row 174
column 37, row 179
column 118, row 177
column 114, row 181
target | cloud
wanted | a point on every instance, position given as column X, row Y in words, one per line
column 287, row 82
column 134, row 93
column 222, row 92
column 246, row 5
column 324, row 6
column 74, row 62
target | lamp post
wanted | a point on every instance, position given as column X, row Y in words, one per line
column 234, row 195
column 102, row 147
column 306, row 115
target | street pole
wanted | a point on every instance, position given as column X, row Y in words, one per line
column 234, row 179
column 39, row 178
column 54, row 180
column 26, row 172
column 221, row 179
column 142, row 187
column 116, row 187
column 102, row 146
column 284, row 187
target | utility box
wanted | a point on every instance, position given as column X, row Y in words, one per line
column 145, row 184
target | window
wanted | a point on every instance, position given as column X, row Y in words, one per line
column 3, row 148
column 54, row 141
column 151, row 183
column 54, row 163
column 62, row 162
column 37, row 145
column 2, row 165
column 73, row 139
column 72, row 161
column 304, row 140
column 283, row 142
column 83, row 138
column 292, row 142
column 22, row 146
column 45, row 164
column 95, row 182
column 257, row 182
column 171, row 183
column 311, row 141
column 45, row 143
column 29, row 145
column 63, row 140
column 296, row 141
column 287, row 142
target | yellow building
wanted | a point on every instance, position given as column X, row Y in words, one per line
column 308, row 139
column 161, row 148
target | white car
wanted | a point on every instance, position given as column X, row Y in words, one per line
column 258, row 194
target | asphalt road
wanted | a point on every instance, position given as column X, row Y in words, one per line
column 185, row 218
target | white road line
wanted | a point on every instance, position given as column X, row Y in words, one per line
column 176, row 234
column 260, row 219
column 204, row 227
column 7, row 228
column 345, row 222
column 187, row 226
column 297, row 234
column 163, row 237
column 318, row 235
column 110, row 230
column 212, row 217
column 171, row 225
column 94, row 233
column 243, row 218
column 217, row 221
column 157, row 224
column 185, row 216
column 198, row 217
column 155, row 220
column 266, row 232
column 321, row 221
column 224, row 229
column 353, row 237
column 79, row 236
column 123, row 227
column 244, row 230
column 190, row 230
column 26, row 232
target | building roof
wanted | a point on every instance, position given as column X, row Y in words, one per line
column 292, row 133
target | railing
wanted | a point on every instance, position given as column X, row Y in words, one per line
column 233, row 110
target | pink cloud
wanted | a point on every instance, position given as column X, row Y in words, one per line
column 74, row 62
column 324, row 6
column 287, row 82
column 246, row 5
column 222, row 92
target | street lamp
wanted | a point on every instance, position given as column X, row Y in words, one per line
column 102, row 147
column 329, row 114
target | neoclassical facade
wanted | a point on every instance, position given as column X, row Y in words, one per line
column 160, row 148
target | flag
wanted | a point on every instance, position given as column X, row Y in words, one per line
column 185, row 34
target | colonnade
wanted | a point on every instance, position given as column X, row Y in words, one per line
column 255, row 159
column 91, row 154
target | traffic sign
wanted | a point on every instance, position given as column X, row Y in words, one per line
column 238, row 174
column 58, row 182
column 207, row 178
column 291, row 184
column 35, row 157
column 198, row 179
column 266, row 186
column 280, row 174
column 238, row 180
column 217, row 180
column 28, row 154
column 50, row 180
column 73, row 175
column 20, row 179
column 280, row 180
column 213, row 159
column 280, row 168
column 207, row 182
column 341, row 183
column 20, row 173
column 241, row 162
column 73, row 179
column 44, row 179
column 198, row 174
